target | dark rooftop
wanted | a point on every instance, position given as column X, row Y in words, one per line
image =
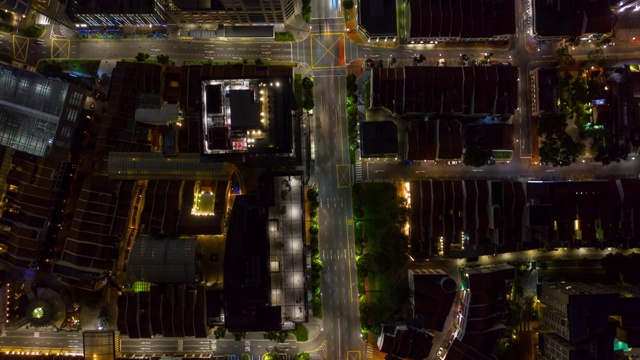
column 198, row 5
column 572, row 17
column 379, row 138
column 112, row 6
column 473, row 90
column 245, row 113
column 464, row 19
column 247, row 280
column 378, row 17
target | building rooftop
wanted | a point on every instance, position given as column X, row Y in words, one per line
column 433, row 293
column 566, row 18
column 250, row 115
column 461, row 19
column 378, row 138
column 459, row 212
column 99, row 220
column 247, row 280
column 38, row 114
column 169, row 260
column 154, row 166
column 31, row 183
column 378, row 17
column 472, row 90
column 112, row 6
column 406, row 342
column 287, row 260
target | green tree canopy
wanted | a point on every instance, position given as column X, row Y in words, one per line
column 142, row 57
column 560, row 151
column 564, row 57
column 476, row 156
column 347, row 4
column 307, row 83
column 238, row 336
column 163, row 59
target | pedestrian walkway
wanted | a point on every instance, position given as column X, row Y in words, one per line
column 29, row 277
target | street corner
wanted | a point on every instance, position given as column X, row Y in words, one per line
column 354, row 354
column 343, row 175
column 327, row 50
column 356, row 67
column 20, row 48
column 60, row 48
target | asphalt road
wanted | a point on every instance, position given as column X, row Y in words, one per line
column 333, row 177
column 54, row 342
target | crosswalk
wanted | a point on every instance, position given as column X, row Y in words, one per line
column 358, row 171
column 369, row 352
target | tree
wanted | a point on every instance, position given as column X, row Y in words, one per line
column 238, row 336
column 607, row 151
column 245, row 357
column 560, row 150
column 476, row 155
column 308, row 103
column 142, row 57
column 163, row 59
column 51, row 68
column 352, row 86
column 259, row 61
column 597, row 57
column 219, row 332
column 271, row 356
column 418, row 59
column 277, row 336
column 564, row 57
column 347, row 4
column 302, row 356
column 307, row 83
column 551, row 125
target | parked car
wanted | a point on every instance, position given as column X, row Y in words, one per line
column 453, row 162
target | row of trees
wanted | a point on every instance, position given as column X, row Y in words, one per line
column 381, row 252
column 316, row 263
column 307, row 87
column 306, row 11
column 574, row 95
column 557, row 148
column 161, row 59
column 352, row 114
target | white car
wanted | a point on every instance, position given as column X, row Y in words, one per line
column 453, row 162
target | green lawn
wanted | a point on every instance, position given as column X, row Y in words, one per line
column 301, row 333
column 284, row 36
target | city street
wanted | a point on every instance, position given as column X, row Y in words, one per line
column 53, row 342
column 340, row 335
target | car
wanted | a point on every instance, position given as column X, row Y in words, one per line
column 453, row 162
column 491, row 162
column 440, row 351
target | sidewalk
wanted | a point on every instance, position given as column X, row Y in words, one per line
column 314, row 327
column 351, row 23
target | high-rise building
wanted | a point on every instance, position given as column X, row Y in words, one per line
column 587, row 320
column 116, row 12
column 236, row 12
column 38, row 115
